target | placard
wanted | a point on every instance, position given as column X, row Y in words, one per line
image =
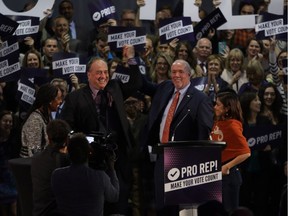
column 179, row 27
column 119, row 36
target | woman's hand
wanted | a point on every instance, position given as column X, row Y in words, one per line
column 225, row 170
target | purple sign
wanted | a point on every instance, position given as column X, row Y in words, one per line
column 7, row 26
column 64, row 64
column 119, row 36
column 269, row 25
column 25, row 93
column 101, row 11
column 9, row 60
column 192, row 174
column 262, row 135
column 214, row 20
column 28, row 26
column 179, row 27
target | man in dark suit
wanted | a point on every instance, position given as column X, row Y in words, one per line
column 83, row 112
column 192, row 120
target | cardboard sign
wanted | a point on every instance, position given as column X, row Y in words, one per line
column 121, row 73
column 64, row 64
column 180, row 27
column 145, row 11
column 7, row 26
column 36, row 11
column 25, row 93
column 28, row 26
column 260, row 136
column 101, row 11
column 191, row 10
column 9, row 60
column 119, row 36
column 269, row 25
column 214, row 20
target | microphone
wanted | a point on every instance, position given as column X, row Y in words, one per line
column 173, row 135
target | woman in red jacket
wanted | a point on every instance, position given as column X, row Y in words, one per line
column 228, row 128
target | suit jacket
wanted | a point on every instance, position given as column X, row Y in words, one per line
column 192, row 120
column 80, row 109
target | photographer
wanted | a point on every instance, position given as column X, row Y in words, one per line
column 79, row 189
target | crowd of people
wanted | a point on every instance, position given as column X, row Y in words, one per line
column 177, row 91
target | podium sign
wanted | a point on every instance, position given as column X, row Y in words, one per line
column 192, row 174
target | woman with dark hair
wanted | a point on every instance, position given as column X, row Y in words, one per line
column 271, row 103
column 33, row 135
column 258, row 172
column 228, row 128
column 183, row 50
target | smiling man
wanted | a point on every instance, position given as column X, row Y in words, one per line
column 99, row 108
column 191, row 120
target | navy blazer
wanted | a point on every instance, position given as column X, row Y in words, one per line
column 193, row 119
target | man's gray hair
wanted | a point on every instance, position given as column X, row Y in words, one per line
column 187, row 67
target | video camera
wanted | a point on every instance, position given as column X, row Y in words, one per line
column 103, row 149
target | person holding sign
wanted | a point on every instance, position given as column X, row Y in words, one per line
column 98, row 108
column 228, row 128
column 254, row 171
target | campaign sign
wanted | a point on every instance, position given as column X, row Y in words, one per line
column 214, row 20
column 28, row 26
column 269, row 25
column 9, row 60
column 38, row 76
column 7, row 26
column 119, row 36
column 260, row 136
column 64, row 64
column 179, row 27
column 192, row 174
column 101, row 11
column 25, row 93
column 121, row 73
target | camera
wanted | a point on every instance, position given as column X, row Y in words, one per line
column 103, row 149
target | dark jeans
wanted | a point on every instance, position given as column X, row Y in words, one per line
column 230, row 189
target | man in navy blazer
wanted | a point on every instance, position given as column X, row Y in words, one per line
column 192, row 120
column 81, row 112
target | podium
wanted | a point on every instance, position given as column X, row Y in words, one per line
column 188, row 173
column 21, row 168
